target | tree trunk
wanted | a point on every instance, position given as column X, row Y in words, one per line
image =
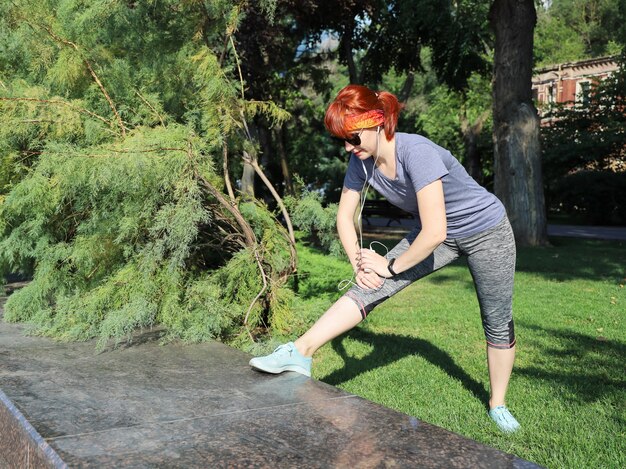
column 473, row 163
column 247, row 179
column 517, row 156
column 346, row 45
column 407, row 87
column 284, row 165
column 471, row 132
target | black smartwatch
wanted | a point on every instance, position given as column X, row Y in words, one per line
column 390, row 266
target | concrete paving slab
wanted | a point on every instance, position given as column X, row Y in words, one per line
column 147, row 405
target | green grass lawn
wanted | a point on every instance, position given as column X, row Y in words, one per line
column 423, row 351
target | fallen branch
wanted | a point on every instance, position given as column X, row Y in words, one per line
column 229, row 187
column 264, row 277
column 292, row 240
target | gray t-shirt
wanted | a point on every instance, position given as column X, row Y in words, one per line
column 470, row 208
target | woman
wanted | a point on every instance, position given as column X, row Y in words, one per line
column 455, row 217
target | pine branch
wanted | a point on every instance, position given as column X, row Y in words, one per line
column 224, row 50
column 151, row 107
column 144, row 151
column 232, row 43
column 89, row 67
column 234, row 211
column 264, row 277
column 292, row 240
column 230, row 30
column 229, row 187
column 27, row 155
column 259, row 171
column 243, row 224
column 64, row 103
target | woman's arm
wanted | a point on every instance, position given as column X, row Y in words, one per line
column 348, row 203
column 432, row 210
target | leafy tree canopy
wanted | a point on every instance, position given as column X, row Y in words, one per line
column 570, row 30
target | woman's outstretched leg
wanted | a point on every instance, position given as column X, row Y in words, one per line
column 350, row 310
column 341, row 317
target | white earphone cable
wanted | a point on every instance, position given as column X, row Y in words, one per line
column 363, row 197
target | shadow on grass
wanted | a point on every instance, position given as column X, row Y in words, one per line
column 586, row 368
column 389, row 348
column 569, row 259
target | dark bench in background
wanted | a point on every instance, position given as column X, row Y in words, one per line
column 383, row 209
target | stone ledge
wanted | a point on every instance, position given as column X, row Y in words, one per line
column 20, row 443
column 147, row 405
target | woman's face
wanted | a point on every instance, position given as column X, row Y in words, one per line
column 367, row 146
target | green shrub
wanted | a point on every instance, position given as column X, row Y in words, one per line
column 317, row 223
column 597, row 195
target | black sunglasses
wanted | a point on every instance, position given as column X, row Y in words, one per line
column 355, row 139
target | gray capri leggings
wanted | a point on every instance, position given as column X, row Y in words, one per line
column 491, row 258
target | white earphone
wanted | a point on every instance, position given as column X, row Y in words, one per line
column 366, row 185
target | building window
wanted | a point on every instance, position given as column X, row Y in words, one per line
column 583, row 92
column 551, row 94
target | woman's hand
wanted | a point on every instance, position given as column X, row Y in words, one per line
column 371, row 261
column 368, row 280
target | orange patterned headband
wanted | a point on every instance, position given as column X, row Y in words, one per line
column 364, row 120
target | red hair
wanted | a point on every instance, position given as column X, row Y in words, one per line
column 357, row 99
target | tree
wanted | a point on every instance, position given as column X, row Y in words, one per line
column 555, row 41
column 456, row 32
column 517, row 164
column 569, row 30
column 461, row 122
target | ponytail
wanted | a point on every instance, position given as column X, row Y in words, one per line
column 391, row 108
